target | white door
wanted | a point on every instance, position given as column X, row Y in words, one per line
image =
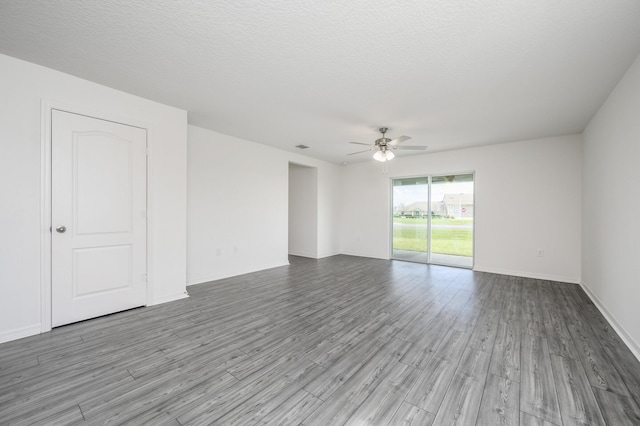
column 98, row 213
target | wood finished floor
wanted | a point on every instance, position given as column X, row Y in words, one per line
column 342, row 340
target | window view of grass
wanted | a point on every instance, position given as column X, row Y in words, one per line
column 457, row 242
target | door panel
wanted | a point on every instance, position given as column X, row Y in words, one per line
column 410, row 219
column 99, row 195
column 452, row 220
column 101, row 270
column 102, row 182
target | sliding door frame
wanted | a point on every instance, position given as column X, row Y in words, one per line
column 429, row 216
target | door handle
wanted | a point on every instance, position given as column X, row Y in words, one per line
column 61, row 229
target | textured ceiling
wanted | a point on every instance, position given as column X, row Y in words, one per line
column 450, row 74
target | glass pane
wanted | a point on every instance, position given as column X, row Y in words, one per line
column 410, row 219
column 452, row 220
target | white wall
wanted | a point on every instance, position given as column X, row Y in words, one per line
column 22, row 88
column 527, row 197
column 611, row 207
column 303, row 211
column 238, row 204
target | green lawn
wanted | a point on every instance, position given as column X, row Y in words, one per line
column 458, row 242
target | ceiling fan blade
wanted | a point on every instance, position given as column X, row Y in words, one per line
column 412, row 147
column 360, row 152
column 399, row 140
column 360, row 143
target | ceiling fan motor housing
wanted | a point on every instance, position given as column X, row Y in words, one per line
column 382, row 142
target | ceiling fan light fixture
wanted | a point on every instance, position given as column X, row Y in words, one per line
column 383, row 156
column 379, row 156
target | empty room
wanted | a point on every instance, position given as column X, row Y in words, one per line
column 320, row 212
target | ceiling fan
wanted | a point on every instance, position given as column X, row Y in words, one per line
column 383, row 146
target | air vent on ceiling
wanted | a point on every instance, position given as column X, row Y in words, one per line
column 302, row 146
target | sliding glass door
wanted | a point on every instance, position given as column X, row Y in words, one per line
column 452, row 220
column 433, row 219
column 410, row 219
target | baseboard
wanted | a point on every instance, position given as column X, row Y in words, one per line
column 19, row 333
column 320, row 256
column 633, row 346
column 301, row 254
column 329, row 255
column 201, row 280
column 167, row 299
column 559, row 278
column 346, row 253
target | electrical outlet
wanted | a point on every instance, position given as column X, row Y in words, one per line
column 540, row 253
column 235, row 250
column 218, row 252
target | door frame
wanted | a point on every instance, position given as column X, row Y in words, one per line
column 429, row 176
column 46, row 108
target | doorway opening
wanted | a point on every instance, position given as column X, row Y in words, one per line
column 433, row 218
column 303, row 211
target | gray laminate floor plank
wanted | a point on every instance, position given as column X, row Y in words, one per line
column 434, row 380
column 527, row 419
column 428, row 337
column 577, row 402
column 617, row 409
column 600, row 371
column 627, row 365
column 505, row 358
column 339, row 340
column 569, row 306
column 532, row 321
column 512, row 307
column 293, row 411
column 212, row 406
column 63, row 416
column 341, row 405
column 484, row 333
column 266, row 400
column 555, row 328
column 462, row 400
column 384, row 401
column 538, row 395
column 335, row 374
column 410, row 415
column 500, row 402
column 50, row 397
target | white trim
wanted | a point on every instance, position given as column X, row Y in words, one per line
column 558, row 278
column 633, row 346
column 19, row 333
column 309, row 255
column 45, row 216
column 45, row 196
column 329, row 255
column 369, row 256
column 168, row 299
column 201, row 280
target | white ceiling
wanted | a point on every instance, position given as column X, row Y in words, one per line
column 448, row 73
